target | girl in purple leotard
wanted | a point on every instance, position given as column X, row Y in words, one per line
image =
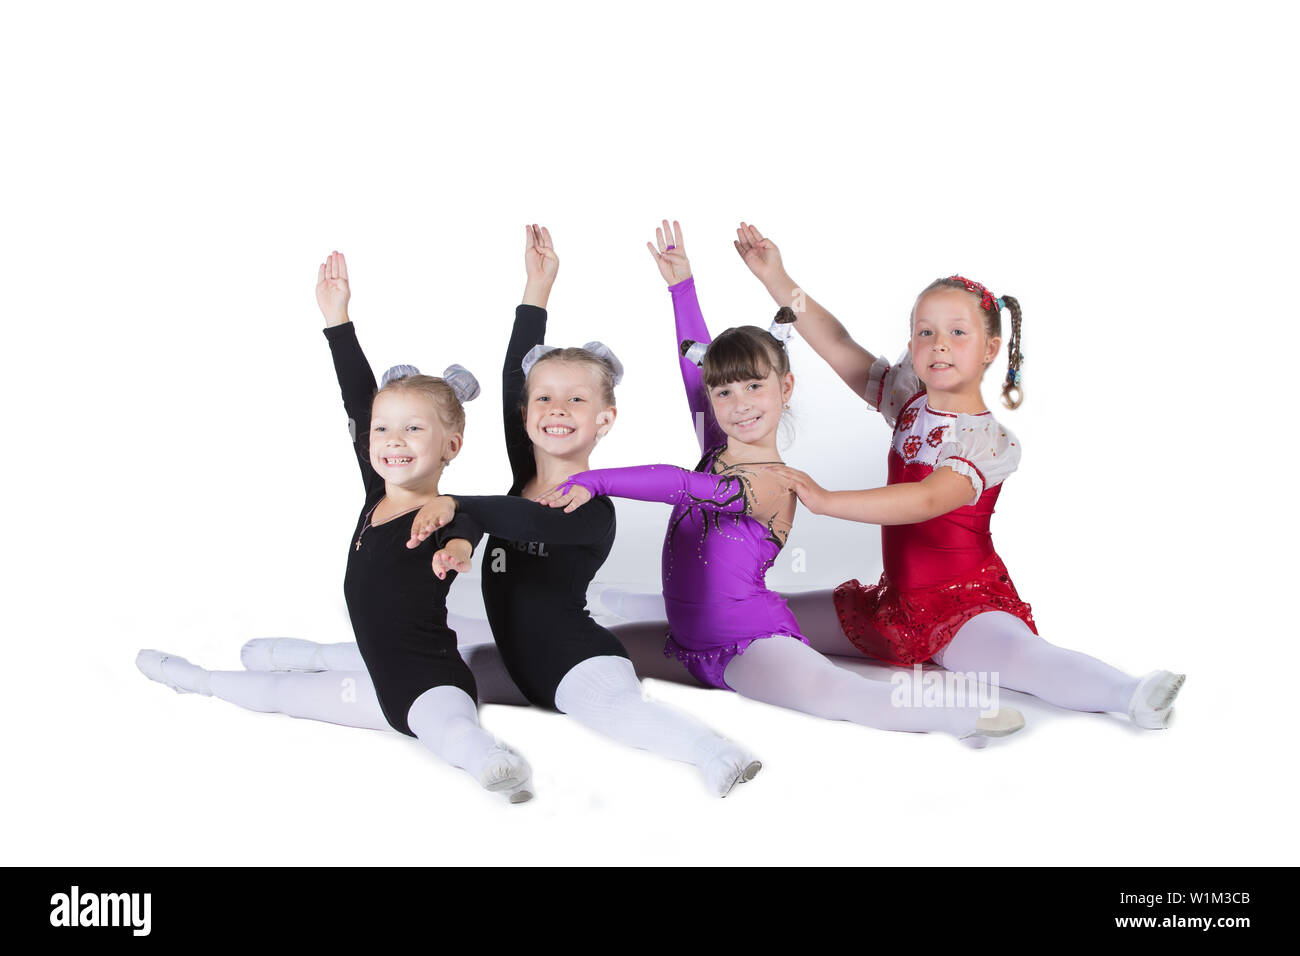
column 730, row 519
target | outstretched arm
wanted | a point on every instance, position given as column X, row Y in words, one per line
column 675, row 267
column 905, row 503
column 356, row 380
column 819, row 328
column 741, row 491
column 518, row 519
column 512, row 518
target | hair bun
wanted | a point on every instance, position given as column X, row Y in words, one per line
column 462, row 382
column 694, row 351
column 782, row 326
column 398, row 372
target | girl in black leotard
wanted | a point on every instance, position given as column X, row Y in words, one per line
column 403, row 436
column 538, row 563
column 556, row 404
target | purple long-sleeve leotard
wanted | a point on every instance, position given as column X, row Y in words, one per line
column 716, row 555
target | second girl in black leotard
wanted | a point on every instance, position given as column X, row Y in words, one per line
column 538, row 563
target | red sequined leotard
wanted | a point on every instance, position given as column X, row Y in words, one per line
column 942, row 572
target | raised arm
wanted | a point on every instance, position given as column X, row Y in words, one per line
column 689, row 325
column 356, row 380
column 541, row 265
column 819, row 328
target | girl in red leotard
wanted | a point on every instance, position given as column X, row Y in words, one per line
column 945, row 595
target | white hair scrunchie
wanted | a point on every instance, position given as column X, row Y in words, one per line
column 598, row 349
column 461, row 380
column 781, row 329
column 397, row 372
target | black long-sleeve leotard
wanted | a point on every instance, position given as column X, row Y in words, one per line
column 538, row 561
column 397, row 606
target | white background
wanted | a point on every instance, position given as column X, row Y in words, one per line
column 179, row 477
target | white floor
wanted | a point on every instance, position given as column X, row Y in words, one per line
column 124, row 771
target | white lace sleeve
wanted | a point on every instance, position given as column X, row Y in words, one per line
column 982, row 449
column 890, row 386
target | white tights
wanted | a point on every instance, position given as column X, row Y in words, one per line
column 444, row 719
column 495, row 685
column 996, row 641
column 602, row 693
column 990, row 642
column 786, row 672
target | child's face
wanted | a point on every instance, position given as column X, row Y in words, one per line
column 750, row 411
column 566, row 412
column 409, row 444
column 949, row 348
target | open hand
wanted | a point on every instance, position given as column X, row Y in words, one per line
column 671, row 254
column 454, row 557
column 812, row 495
column 540, row 261
column 332, row 292
column 567, row 495
column 761, row 255
column 430, row 518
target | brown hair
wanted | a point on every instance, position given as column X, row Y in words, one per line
column 450, row 410
column 992, row 328
column 741, row 354
column 603, row 368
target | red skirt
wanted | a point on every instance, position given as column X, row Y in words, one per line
column 910, row 627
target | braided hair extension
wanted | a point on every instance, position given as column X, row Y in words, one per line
column 1011, row 394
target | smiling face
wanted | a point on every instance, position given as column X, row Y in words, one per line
column 950, row 347
column 409, row 442
column 749, row 411
column 566, row 412
column 747, row 373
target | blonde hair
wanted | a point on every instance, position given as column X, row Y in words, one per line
column 450, row 410
column 603, row 368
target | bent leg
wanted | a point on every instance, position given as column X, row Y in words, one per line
column 603, row 693
column 996, row 641
column 445, row 719
column 786, row 672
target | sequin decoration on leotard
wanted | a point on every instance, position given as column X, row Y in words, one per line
column 942, row 572
column 715, row 560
